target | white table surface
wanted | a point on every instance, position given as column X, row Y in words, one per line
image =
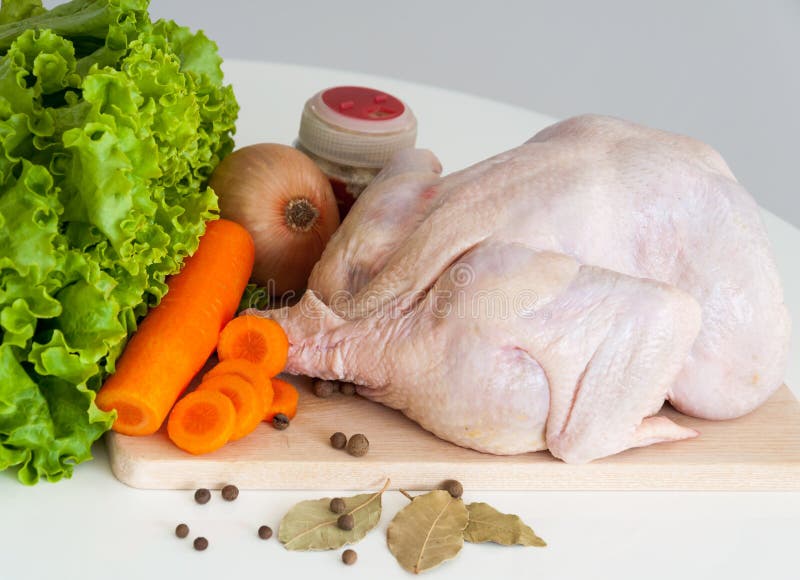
column 95, row 527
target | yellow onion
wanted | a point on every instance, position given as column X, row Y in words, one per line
column 286, row 203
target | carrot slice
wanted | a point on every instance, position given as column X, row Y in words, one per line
column 285, row 401
column 251, row 372
column 176, row 337
column 260, row 340
column 201, row 422
column 247, row 401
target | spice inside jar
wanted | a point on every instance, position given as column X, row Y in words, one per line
column 347, row 182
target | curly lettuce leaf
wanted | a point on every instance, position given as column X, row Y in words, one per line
column 110, row 127
column 89, row 23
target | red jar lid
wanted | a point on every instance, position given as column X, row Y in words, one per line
column 363, row 103
column 356, row 126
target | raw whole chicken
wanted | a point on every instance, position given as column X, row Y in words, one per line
column 551, row 297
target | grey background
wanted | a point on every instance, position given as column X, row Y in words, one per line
column 726, row 72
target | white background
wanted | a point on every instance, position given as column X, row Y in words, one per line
column 724, row 71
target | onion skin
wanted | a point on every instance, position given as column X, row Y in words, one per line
column 286, row 203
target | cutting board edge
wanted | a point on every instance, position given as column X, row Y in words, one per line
column 555, row 476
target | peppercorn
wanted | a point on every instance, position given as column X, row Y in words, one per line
column 324, row 389
column 200, row 543
column 454, row 488
column 346, row 522
column 202, row 495
column 230, row 492
column 338, row 506
column 347, row 389
column 280, row 421
column 182, row 530
column 358, row 445
column 265, row 532
column 338, row 440
column 349, row 557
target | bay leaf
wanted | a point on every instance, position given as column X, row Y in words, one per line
column 311, row 525
column 486, row 524
column 428, row 531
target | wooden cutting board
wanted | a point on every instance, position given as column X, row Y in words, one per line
column 758, row 452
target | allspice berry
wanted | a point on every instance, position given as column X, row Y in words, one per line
column 358, row 445
column 280, row 421
column 202, row 495
column 265, row 532
column 230, row 492
column 182, row 530
column 349, row 557
column 338, row 440
column 338, row 506
column 454, row 488
column 324, row 389
column 200, row 543
column 346, row 522
column 347, row 389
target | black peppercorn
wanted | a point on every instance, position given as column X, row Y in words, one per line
column 347, row 389
column 265, row 532
column 182, row 530
column 230, row 492
column 200, row 543
column 358, row 445
column 338, row 506
column 454, row 488
column 202, row 495
column 324, row 389
column 346, row 522
column 280, row 421
column 338, row 440
column 349, row 557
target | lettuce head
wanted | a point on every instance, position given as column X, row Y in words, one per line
column 110, row 126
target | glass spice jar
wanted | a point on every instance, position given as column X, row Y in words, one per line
column 351, row 133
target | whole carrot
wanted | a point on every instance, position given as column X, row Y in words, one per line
column 176, row 338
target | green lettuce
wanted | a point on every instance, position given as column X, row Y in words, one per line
column 110, row 126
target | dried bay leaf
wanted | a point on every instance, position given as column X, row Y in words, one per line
column 311, row 525
column 428, row 531
column 486, row 524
